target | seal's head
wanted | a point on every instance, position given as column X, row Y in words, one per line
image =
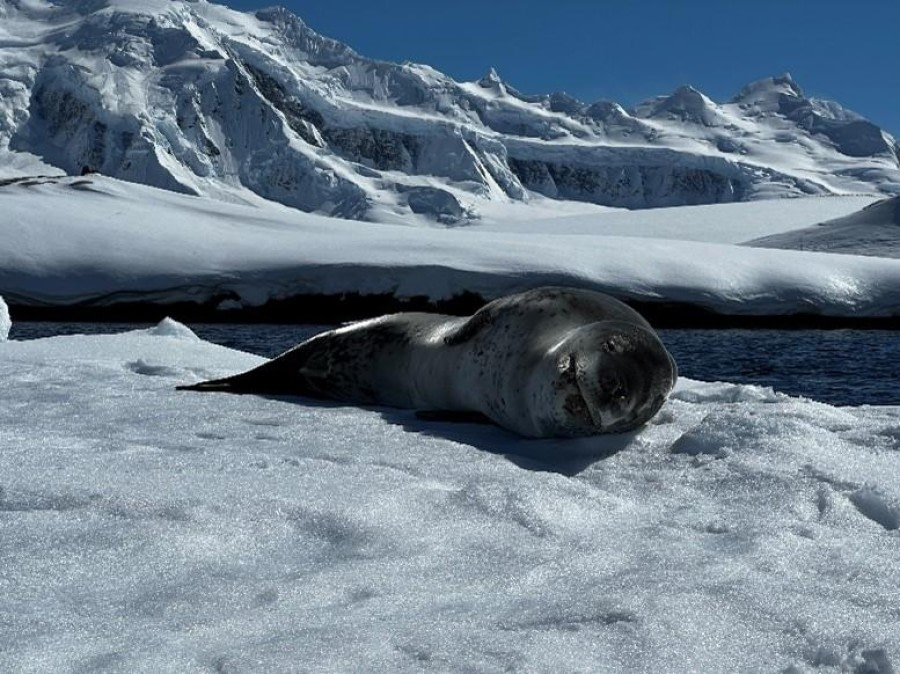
column 605, row 377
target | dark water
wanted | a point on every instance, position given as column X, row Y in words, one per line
column 842, row 367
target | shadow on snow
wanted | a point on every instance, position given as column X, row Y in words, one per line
column 567, row 457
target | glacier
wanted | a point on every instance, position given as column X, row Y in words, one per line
column 197, row 98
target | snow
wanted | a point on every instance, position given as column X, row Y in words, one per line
column 875, row 230
column 102, row 241
column 5, row 323
column 711, row 223
column 146, row 529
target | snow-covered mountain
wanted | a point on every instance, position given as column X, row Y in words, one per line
column 194, row 97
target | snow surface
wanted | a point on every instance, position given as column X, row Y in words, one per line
column 144, row 529
column 875, row 230
column 5, row 323
column 711, row 223
column 103, row 241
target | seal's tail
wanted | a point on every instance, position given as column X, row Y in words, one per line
column 284, row 375
column 225, row 385
column 246, row 382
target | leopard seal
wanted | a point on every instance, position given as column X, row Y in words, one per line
column 548, row 362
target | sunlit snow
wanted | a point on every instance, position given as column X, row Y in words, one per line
column 145, row 529
column 100, row 240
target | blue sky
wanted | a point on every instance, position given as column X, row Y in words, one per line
column 629, row 50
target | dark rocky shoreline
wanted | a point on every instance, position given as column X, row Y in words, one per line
column 339, row 308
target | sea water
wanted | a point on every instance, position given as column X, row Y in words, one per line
column 841, row 367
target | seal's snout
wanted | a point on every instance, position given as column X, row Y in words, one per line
column 622, row 375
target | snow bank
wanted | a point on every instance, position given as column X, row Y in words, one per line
column 102, row 241
column 5, row 322
column 146, row 529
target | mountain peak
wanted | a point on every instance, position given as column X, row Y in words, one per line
column 277, row 14
column 685, row 104
column 785, row 79
column 491, row 80
column 688, row 97
column 771, row 94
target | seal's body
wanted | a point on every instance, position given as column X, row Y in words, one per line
column 549, row 362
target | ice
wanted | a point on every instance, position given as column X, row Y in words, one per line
column 171, row 328
column 873, row 505
column 146, row 529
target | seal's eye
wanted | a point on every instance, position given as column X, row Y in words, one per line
column 619, row 392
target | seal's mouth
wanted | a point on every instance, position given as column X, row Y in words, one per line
column 575, row 404
column 593, row 415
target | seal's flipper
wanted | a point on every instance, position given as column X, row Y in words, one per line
column 453, row 416
column 211, row 385
column 284, row 375
column 260, row 381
